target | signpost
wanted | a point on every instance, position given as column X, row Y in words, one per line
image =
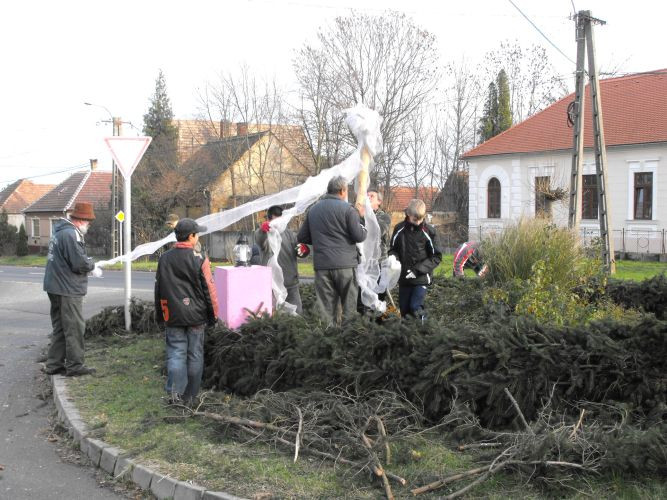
column 127, row 152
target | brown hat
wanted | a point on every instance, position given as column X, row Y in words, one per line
column 83, row 210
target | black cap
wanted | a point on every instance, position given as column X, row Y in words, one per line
column 185, row 227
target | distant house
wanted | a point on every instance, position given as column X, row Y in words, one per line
column 399, row 197
column 19, row 195
column 244, row 166
column 40, row 216
column 525, row 170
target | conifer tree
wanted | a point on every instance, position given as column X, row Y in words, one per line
column 7, row 233
column 157, row 181
column 504, row 104
column 22, row 242
column 488, row 123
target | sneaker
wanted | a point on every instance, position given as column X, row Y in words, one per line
column 175, row 399
column 84, row 370
column 54, row 371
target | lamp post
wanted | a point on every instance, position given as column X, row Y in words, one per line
column 115, row 242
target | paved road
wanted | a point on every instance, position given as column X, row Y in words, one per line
column 32, row 468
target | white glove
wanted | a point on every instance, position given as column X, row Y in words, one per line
column 392, row 263
column 410, row 275
column 97, row 271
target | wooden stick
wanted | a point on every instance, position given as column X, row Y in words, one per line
column 576, row 427
column 445, row 481
column 297, row 440
column 377, row 468
column 518, row 410
column 362, row 179
column 463, row 447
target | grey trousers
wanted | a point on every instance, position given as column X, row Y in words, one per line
column 66, row 349
column 333, row 286
column 294, row 298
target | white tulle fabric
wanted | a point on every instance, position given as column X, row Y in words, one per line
column 365, row 125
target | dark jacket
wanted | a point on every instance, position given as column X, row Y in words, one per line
column 184, row 291
column 384, row 221
column 333, row 227
column 67, row 265
column 286, row 257
column 417, row 250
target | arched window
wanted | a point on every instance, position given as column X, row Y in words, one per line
column 493, row 199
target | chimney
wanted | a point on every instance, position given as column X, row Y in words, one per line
column 242, row 128
column 225, row 129
column 93, row 164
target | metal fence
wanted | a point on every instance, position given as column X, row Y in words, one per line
column 636, row 240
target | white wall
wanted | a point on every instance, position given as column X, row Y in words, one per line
column 517, row 172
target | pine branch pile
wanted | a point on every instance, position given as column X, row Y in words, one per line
column 111, row 320
column 605, row 362
column 649, row 295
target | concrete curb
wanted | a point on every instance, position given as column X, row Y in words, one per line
column 115, row 461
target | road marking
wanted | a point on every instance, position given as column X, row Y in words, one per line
column 39, row 274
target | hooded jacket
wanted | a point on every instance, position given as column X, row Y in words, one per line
column 416, row 249
column 67, row 264
column 184, row 291
column 333, row 227
column 286, row 257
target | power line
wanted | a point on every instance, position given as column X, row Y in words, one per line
column 68, row 169
column 541, row 33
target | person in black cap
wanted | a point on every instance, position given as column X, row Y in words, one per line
column 185, row 301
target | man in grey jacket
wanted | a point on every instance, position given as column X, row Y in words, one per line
column 66, row 282
column 289, row 251
column 333, row 227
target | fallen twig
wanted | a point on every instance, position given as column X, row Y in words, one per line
column 576, row 427
column 463, row 447
column 518, row 410
column 297, row 439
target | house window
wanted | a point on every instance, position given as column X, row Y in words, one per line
column 53, row 226
column 589, row 197
column 35, row 228
column 643, row 196
column 493, row 199
column 542, row 199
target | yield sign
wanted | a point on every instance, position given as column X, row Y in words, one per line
column 127, row 151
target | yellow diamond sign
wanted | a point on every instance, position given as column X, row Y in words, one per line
column 120, row 216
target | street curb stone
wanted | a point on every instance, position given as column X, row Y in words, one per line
column 113, row 460
column 163, row 487
column 108, row 460
column 187, row 491
column 95, row 448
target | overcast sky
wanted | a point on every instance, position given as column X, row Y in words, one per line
column 58, row 54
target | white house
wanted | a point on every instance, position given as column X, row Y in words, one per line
column 522, row 171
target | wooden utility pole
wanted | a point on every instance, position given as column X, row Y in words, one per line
column 585, row 40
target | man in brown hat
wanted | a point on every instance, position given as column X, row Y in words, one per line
column 66, row 282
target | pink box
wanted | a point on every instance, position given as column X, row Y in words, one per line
column 241, row 288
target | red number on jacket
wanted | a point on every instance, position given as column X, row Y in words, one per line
column 165, row 309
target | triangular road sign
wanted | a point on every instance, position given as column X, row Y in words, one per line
column 127, row 152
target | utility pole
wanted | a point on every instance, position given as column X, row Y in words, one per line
column 116, row 249
column 585, row 41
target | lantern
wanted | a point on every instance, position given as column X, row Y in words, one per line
column 242, row 252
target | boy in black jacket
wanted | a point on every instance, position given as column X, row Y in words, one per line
column 185, row 301
column 413, row 243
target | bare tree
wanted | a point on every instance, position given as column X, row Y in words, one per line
column 533, row 80
column 385, row 62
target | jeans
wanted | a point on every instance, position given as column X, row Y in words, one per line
column 185, row 360
column 411, row 300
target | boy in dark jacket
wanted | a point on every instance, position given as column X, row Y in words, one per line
column 413, row 243
column 185, row 300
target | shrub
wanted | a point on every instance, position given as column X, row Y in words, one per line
column 22, row 242
column 7, row 234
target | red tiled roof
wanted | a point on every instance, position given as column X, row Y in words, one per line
column 22, row 193
column 634, row 111
column 401, row 196
column 94, row 187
